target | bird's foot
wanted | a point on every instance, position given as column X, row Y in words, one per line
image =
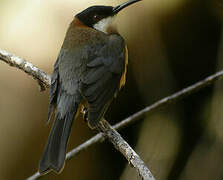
column 84, row 111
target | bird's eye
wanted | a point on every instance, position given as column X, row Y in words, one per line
column 97, row 17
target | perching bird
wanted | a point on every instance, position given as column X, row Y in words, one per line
column 90, row 70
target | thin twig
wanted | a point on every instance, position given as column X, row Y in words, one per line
column 42, row 78
column 142, row 113
column 45, row 79
column 119, row 143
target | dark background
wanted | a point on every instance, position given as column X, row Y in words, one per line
column 172, row 44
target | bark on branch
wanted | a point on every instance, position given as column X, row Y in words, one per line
column 142, row 113
column 120, row 144
column 42, row 78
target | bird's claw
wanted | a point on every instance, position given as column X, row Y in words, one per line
column 84, row 111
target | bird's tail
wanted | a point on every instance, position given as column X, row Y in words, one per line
column 55, row 150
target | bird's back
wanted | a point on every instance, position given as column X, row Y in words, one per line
column 89, row 67
column 97, row 62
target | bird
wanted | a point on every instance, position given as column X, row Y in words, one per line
column 89, row 72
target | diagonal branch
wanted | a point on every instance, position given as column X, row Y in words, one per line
column 45, row 80
column 126, row 122
column 119, row 143
column 42, row 78
column 142, row 113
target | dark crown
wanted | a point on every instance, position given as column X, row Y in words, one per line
column 93, row 14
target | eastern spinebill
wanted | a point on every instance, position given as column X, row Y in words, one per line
column 90, row 70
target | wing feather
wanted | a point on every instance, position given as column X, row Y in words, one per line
column 53, row 91
column 102, row 78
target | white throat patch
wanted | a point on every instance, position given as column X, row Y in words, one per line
column 104, row 24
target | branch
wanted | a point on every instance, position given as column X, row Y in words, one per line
column 119, row 143
column 142, row 113
column 44, row 82
column 42, row 78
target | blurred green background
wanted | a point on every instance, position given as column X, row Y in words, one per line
column 172, row 44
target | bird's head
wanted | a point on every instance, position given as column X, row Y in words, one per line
column 101, row 17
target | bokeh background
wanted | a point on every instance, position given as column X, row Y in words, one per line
column 172, row 44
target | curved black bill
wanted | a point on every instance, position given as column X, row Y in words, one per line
column 122, row 6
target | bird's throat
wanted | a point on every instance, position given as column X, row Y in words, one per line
column 106, row 25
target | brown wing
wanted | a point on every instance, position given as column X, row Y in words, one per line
column 102, row 79
column 53, row 90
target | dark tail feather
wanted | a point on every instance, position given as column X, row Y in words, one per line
column 55, row 150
